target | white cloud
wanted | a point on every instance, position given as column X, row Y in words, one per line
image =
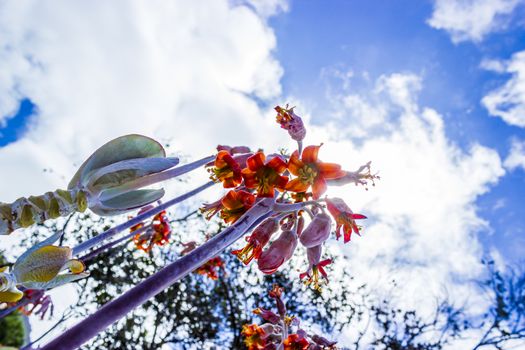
column 265, row 8
column 508, row 101
column 422, row 227
column 516, row 157
column 178, row 72
column 471, row 19
column 189, row 73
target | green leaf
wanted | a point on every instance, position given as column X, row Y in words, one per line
column 122, row 148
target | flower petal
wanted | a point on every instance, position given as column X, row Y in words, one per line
column 330, row 170
column 296, row 185
column 310, row 154
column 277, row 164
column 294, row 164
column 319, row 187
column 256, row 161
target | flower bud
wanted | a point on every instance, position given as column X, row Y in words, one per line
column 257, row 240
column 280, row 251
column 267, row 315
column 317, row 232
column 313, row 255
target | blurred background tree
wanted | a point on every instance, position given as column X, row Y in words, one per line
column 201, row 312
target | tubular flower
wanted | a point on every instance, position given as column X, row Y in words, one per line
column 210, row 209
column 235, row 204
column 316, row 267
column 267, row 315
column 39, row 268
column 188, row 247
column 317, row 231
column 276, row 293
column 210, row 268
column 158, row 234
column 311, row 172
column 279, row 252
column 291, row 122
column 359, row 177
column 265, row 176
column 296, row 342
column 40, row 302
column 344, row 218
column 255, row 337
column 257, row 240
column 226, row 170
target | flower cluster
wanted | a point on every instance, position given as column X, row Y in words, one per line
column 281, row 331
column 296, row 183
column 210, row 268
column 157, row 233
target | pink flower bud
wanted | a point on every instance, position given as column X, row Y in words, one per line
column 267, row 315
column 317, row 232
column 314, row 255
column 233, row 150
column 257, row 240
column 280, row 251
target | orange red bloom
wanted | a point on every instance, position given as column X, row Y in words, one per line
column 344, row 218
column 265, row 176
column 255, row 337
column 226, row 170
column 296, row 342
column 311, row 172
column 210, row 268
column 158, row 234
column 235, row 204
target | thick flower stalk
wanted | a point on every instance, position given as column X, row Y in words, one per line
column 40, row 268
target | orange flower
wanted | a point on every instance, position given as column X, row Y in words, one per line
column 295, row 342
column 210, row 209
column 210, row 268
column 235, row 204
column 226, row 170
column 344, row 218
column 158, row 234
column 265, row 176
column 257, row 240
column 311, row 172
column 254, row 337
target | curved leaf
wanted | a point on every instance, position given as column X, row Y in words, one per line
column 122, row 148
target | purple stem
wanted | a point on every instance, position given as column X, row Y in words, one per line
column 136, row 296
column 82, row 247
column 91, row 255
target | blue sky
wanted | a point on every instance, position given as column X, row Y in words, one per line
column 432, row 92
column 382, row 37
